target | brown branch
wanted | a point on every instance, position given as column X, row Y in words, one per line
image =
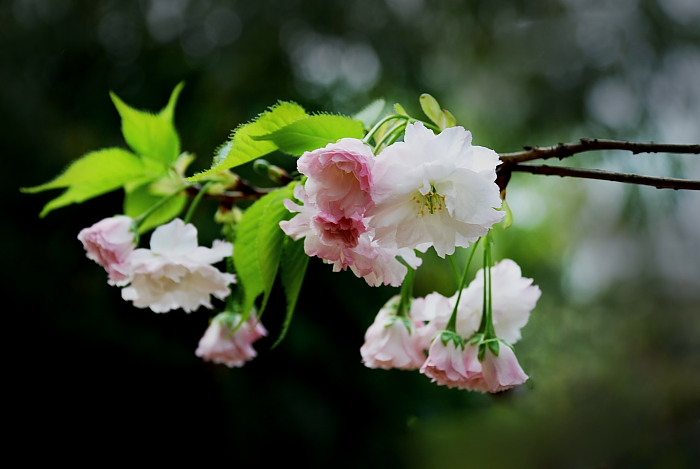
column 658, row 182
column 564, row 150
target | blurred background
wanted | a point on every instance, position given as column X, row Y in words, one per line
column 612, row 348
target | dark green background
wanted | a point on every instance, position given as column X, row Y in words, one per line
column 612, row 347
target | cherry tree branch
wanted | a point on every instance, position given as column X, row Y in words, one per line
column 658, row 182
column 511, row 162
column 564, row 150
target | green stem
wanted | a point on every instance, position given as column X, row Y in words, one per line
column 196, row 200
column 452, row 323
column 376, row 127
column 406, row 293
column 486, row 326
column 141, row 218
column 391, row 136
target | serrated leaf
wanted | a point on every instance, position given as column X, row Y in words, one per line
column 258, row 246
column 242, row 148
column 314, row 132
column 370, row 114
column 150, row 135
column 292, row 271
column 141, row 198
column 93, row 174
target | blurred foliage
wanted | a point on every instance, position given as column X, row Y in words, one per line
column 612, row 348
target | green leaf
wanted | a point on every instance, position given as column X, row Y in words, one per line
column 242, row 148
column 151, row 136
column 258, row 246
column 292, row 271
column 140, row 199
column 370, row 114
column 440, row 117
column 313, row 132
column 93, row 174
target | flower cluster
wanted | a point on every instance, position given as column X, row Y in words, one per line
column 462, row 358
column 372, row 195
column 174, row 273
column 362, row 211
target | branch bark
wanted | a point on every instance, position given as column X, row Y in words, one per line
column 564, row 150
column 658, row 182
column 511, row 162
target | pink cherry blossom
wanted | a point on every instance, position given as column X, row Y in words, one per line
column 431, row 314
column 176, row 272
column 109, row 242
column 344, row 242
column 223, row 343
column 451, row 364
column 390, row 341
column 503, row 371
column 339, row 177
column 498, row 373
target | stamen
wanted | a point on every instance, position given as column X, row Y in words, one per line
column 429, row 203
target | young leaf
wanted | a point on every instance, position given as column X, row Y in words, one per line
column 140, row 199
column 441, row 117
column 313, row 132
column 242, row 148
column 93, row 174
column 152, row 136
column 292, row 270
column 370, row 114
column 258, row 245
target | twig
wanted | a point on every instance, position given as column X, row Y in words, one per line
column 658, row 182
column 564, row 150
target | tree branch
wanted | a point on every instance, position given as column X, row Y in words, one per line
column 658, row 182
column 564, row 150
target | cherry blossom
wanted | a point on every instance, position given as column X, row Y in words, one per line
column 451, row 362
column 109, row 242
column 226, row 343
column 176, row 272
column 339, row 177
column 434, row 190
column 390, row 342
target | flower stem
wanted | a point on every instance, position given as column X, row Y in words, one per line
column 452, row 323
column 406, row 293
column 196, row 200
column 486, row 326
column 376, row 127
column 141, row 218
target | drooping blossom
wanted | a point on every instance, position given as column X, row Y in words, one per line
column 177, row 273
column 500, row 372
column 224, row 342
column 513, row 297
column 458, row 366
column 431, row 313
column 451, row 362
column 390, row 342
column 339, row 177
column 434, row 190
column 109, row 242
